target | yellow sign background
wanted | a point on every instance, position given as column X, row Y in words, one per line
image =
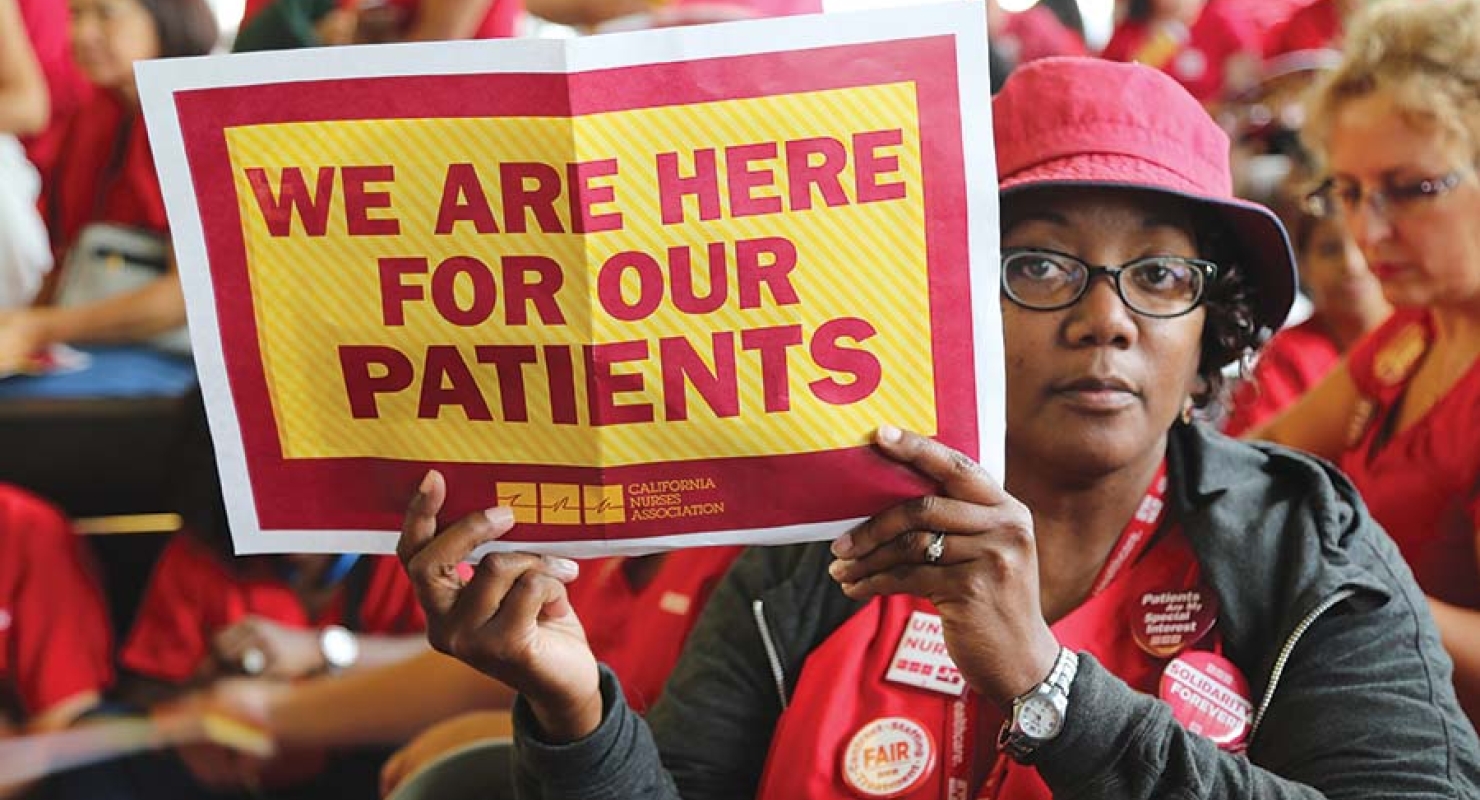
column 313, row 294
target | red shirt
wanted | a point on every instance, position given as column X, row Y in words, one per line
column 192, row 595
column 1315, row 27
column 1295, row 360
column 1038, row 33
column 1421, row 483
column 1196, row 56
column 843, row 692
column 639, row 634
column 105, row 173
column 55, row 641
column 501, row 21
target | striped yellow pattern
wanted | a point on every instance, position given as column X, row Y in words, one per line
column 314, row 294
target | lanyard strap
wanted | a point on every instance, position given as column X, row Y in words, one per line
column 1134, row 540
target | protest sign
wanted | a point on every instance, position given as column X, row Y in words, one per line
column 651, row 289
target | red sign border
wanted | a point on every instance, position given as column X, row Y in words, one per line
column 366, row 493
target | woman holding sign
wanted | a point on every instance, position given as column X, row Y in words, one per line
column 1147, row 609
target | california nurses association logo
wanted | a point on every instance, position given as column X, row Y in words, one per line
column 888, row 757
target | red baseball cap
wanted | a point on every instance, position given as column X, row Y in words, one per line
column 1095, row 123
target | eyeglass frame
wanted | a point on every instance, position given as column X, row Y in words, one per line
column 1208, row 269
column 1320, row 204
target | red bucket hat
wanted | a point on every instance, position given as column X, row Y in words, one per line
column 1095, row 123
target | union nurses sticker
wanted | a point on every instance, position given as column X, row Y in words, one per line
column 889, row 757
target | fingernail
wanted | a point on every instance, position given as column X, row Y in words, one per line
column 562, row 569
column 888, row 434
column 501, row 515
column 837, row 568
column 843, row 545
column 426, row 483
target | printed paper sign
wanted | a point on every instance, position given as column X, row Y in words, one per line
column 651, row 290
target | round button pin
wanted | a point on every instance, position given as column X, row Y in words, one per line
column 1209, row 697
column 1164, row 623
column 889, row 757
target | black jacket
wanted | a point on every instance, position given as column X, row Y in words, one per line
column 1351, row 685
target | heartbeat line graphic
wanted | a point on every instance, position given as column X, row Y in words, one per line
column 567, row 505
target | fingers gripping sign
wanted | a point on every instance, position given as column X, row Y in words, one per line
column 512, row 620
column 970, row 550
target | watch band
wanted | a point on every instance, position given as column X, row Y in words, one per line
column 1014, row 740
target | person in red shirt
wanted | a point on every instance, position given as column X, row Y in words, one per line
column 1207, row 45
column 208, row 617
column 1083, row 630
column 56, row 653
column 105, row 175
column 1397, row 122
column 1348, row 303
column 640, row 609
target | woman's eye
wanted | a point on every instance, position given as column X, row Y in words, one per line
column 1040, row 269
column 1163, row 276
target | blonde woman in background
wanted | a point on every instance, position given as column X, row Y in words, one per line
column 1398, row 123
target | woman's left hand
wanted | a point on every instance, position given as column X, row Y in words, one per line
column 984, row 582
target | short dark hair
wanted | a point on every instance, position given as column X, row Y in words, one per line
column 1230, row 328
column 185, row 27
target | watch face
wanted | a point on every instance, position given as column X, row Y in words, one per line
column 1040, row 718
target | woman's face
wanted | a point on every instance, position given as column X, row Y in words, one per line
column 1336, row 276
column 1425, row 249
column 108, row 36
column 1095, row 386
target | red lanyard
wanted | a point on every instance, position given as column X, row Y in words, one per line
column 1137, row 536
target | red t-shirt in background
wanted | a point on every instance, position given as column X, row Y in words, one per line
column 639, row 635
column 105, row 173
column 192, row 595
column 1421, row 483
column 1314, row 27
column 55, row 639
column 1293, row 362
column 1198, row 59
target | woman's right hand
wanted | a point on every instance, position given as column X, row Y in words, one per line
column 511, row 621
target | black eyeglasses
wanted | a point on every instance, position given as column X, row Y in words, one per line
column 1393, row 198
column 1154, row 286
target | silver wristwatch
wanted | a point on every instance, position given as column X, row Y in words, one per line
column 1038, row 714
column 339, row 646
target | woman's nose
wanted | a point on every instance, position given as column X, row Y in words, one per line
column 1101, row 317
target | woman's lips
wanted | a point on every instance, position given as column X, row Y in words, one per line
column 1097, row 394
